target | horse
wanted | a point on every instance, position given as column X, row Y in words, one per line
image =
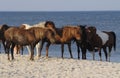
column 40, row 24
column 3, row 28
column 63, row 36
column 82, row 43
column 100, row 39
column 17, row 36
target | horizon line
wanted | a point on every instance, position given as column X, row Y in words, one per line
column 60, row 11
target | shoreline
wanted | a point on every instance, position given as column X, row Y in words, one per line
column 54, row 67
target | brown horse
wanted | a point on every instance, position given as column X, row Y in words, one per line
column 3, row 28
column 63, row 36
column 16, row 36
column 99, row 39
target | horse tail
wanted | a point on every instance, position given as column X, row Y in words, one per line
column 114, row 35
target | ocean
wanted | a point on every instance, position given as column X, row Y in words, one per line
column 102, row 20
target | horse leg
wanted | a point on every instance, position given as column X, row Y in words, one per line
column 83, row 52
column 32, row 52
column 7, row 47
column 109, row 53
column 41, row 47
column 69, row 47
column 37, row 49
column 47, row 47
column 29, row 50
column 93, row 53
column 18, row 50
column 62, row 48
column 12, row 48
column 3, row 42
column 78, row 49
column 105, row 52
column 100, row 54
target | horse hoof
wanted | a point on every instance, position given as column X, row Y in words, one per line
column 31, row 59
column 12, row 58
column 46, row 57
column 9, row 59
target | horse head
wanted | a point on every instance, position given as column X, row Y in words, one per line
column 50, row 35
column 90, row 32
column 2, row 30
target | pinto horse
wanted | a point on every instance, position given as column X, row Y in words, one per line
column 99, row 39
column 17, row 36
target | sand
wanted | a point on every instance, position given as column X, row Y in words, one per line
column 54, row 67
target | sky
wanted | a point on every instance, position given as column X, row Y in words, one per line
column 59, row 5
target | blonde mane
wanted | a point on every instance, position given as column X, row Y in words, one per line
column 40, row 24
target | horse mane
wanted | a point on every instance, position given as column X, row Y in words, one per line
column 40, row 24
column 25, row 26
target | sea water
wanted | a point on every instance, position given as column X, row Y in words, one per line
column 102, row 20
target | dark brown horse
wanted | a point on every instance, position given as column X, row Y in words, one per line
column 94, row 40
column 16, row 36
column 64, row 36
column 82, row 43
column 99, row 39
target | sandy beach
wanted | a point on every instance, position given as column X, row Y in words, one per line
column 54, row 67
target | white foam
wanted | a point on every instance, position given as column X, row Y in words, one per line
column 103, row 36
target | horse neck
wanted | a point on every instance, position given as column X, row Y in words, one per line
column 58, row 34
column 83, row 34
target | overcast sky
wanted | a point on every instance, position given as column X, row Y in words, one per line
column 59, row 5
